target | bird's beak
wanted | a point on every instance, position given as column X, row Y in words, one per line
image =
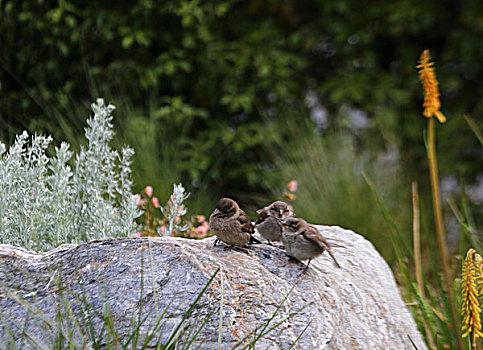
column 281, row 212
column 216, row 212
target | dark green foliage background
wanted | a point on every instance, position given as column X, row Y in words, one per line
column 215, row 84
column 217, row 94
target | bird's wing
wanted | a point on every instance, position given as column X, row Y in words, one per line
column 262, row 215
column 311, row 233
column 245, row 222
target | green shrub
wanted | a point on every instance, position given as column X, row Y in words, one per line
column 45, row 203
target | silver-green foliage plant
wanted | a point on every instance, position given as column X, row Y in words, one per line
column 44, row 202
column 175, row 209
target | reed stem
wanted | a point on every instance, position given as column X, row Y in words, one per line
column 417, row 257
column 417, row 239
column 438, row 217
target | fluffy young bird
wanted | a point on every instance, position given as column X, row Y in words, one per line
column 269, row 222
column 230, row 224
column 303, row 241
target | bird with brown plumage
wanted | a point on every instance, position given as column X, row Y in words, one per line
column 231, row 225
column 269, row 221
column 303, row 241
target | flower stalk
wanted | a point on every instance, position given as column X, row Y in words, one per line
column 470, row 309
column 432, row 107
column 438, row 215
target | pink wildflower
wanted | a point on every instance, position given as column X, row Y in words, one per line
column 202, row 229
column 292, row 186
column 162, row 229
column 290, row 196
column 149, row 191
column 155, row 202
column 138, row 234
column 200, row 218
column 177, row 219
column 138, row 199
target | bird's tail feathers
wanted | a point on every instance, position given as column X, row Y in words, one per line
column 333, row 257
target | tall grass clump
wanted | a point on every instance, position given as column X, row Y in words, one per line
column 80, row 323
column 331, row 187
column 45, row 202
column 431, row 291
column 434, row 290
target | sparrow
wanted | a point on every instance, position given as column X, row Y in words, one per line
column 231, row 225
column 269, row 221
column 303, row 241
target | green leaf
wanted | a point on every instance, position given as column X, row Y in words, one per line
column 127, row 42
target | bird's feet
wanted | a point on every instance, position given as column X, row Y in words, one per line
column 293, row 260
column 244, row 249
column 279, row 246
column 304, row 269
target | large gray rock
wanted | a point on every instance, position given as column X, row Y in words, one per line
column 355, row 307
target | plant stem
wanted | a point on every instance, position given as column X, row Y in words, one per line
column 416, row 239
column 417, row 257
column 438, row 217
column 220, row 324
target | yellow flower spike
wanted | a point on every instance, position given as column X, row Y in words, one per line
column 470, row 305
column 479, row 267
column 431, row 103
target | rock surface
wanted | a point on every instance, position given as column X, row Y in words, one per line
column 355, row 307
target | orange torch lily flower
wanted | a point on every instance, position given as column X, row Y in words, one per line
column 431, row 103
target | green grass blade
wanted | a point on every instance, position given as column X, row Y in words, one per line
column 220, row 324
column 198, row 330
column 396, row 236
column 474, row 127
column 266, row 324
column 174, row 333
column 7, row 329
column 300, row 335
column 152, row 277
column 32, row 339
column 276, row 325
